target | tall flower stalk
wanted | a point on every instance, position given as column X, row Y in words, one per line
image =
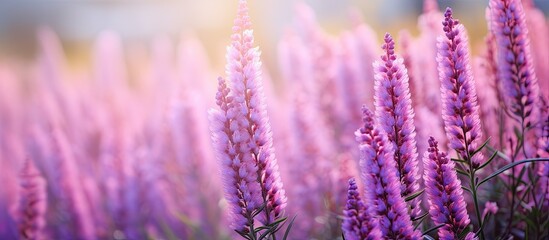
column 357, row 223
column 518, row 80
column 381, row 184
column 242, row 192
column 396, row 117
column 242, row 136
column 460, row 110
column 514, row 60
column 32, row 203
column 447, row 206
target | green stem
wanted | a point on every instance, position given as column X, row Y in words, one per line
column 475, row 199
column 253, row 235
column 514, row 185
column 473, row 186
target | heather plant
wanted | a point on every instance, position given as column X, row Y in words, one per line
column 456, row 147
column 459, row 102
column 242, row 135
column 396, row 117
column 519, row 84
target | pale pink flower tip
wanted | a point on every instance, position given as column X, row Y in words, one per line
column 490, row 208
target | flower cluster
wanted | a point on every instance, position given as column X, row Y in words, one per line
column 155, row 148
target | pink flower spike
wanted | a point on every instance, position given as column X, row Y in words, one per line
column 444, row 194
column 514, row 60
column 241, row 190
column 460, row 109
column 396, row 117
column 357, row 223
column 242, row 134
column 381, row 184
column 32, row 203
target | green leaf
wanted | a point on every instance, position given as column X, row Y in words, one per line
column 517, row 180
column 288, row 228
column 458, row 160
column 278, row 221
column 492, row 157
column 481, row 146
column 258, row 211
column 516, row 130
column 433, row 229
column 462, row 172
column 504, row 183
column 420, row 217
column 428, row 237
column 524, row 195
column 500, row 154
column 414, row 195
column 486, row 218
column 509, row 166
column 464, row 232
column 271, row 228
column 269, row 231
column 528, row 221
column 243, row 234
column 258, row 229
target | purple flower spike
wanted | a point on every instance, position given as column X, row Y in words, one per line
column 242, row 132
column 239, row 177
column 382, row 187
column 243, row 70
column 515, row 66
column 444, row 193
column 396, row 117
column 357, row 223
column 32, row 203
column 459, row 99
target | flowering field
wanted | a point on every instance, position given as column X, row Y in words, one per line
column 365, row 136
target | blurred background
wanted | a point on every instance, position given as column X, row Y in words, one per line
column 138, row 22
